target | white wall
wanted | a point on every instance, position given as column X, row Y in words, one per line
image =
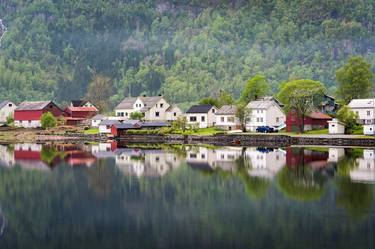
column 27, row 124
column 223, row 121
column 160, row 107
column 364, row 114
column 6, row 111
column 104, row 129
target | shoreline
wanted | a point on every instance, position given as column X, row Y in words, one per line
column 267, row 140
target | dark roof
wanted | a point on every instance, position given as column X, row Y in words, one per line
column 199, row 109
column 155, row 124
column 127, row 126
column 109, row 122
column 34, row 105
column 78, row 103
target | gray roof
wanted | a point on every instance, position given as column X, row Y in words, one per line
column 199, row 109
column 227, row 110
column 33, row 105
column 149, row 102
column 4, row 103
column 127, row 126
column 155, row 124
column 362, row 103
column 99, row 117
column 127, row 103
column 261, row 104
column 171, row 107
column 109, row 122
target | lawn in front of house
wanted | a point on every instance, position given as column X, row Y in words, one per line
column 200, row 132
column 91, row 131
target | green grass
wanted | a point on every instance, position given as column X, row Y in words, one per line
column 91, row 131
column 201, row 132
column 314, row 132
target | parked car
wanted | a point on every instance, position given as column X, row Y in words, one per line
column 265, row 129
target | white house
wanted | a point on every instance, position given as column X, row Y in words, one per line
column 201, row 158
column 335, row 154
column 336, row 127
column 82, row 103
column 154, row 108
column 226, row 118
column 365, row 110
column 202, row 115
column 97, row 119
column 6, row 110
column 265, row 111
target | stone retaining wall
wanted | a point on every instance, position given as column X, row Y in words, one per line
column 249, row 140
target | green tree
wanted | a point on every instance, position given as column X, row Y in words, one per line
column 209, row 101
column 137, row 115
column 348, row 117
column 355, row 79
column 301, row 96
column 255, row 87
column 243, row 113
column 224, row 98
column 180, row 123
column 100, row 91
column 48, row 120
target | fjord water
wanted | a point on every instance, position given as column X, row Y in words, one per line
column 111, row 196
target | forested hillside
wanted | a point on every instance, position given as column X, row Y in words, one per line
column 184, row 49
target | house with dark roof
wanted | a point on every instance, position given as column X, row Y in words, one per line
column 202, row 115
column 6, row 110
column 154, row 108
column 29, row 113
column 265, row 111
column 226, row 118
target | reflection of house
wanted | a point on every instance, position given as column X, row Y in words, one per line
column 335, row 154
column 151, row 163
column 75, row 155
column 225, row 158
column 29, row 156
column 365, row 172
column 6, row 156
column 103, row 150
column 265, row 162
column 296, row 157
column 201, row 158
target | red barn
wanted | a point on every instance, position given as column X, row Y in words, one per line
column 120, row 129
column 313, row 120
column 78, row 115
column 28, row 114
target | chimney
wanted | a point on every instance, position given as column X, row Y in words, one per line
column 144, row 95
column 160, row 95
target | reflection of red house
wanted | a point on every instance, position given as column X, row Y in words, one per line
column 314, row 120
column 78, row 115
column 74, row 155
column 299, row 156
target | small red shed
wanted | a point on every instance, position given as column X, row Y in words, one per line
column 120, row 129
column 312, row 121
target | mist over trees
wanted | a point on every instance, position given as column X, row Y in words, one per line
column 186, row 50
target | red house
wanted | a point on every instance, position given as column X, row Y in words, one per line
column 312, row 121
column 28, row 114
column 120, row 129
column 78, row 115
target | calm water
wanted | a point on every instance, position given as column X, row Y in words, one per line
column 108, row 196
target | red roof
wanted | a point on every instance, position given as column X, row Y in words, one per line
column 318, row 115
column 82, row 109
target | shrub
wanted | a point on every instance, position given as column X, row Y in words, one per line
column 48, row 120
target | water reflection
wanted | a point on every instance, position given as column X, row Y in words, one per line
column 111, row 195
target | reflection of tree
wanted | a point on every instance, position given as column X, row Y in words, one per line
column 300, row 184
column 355, row 197
column 99, row 179
column 348, row 163
column 49, row 154
column 256, row 187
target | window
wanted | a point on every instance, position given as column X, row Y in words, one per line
column 230, row 119
column 258, row 120
column 222, row 119
column 213, row 110
column 157, row 159
column 157, row 114
column 203, row 156
column 126, row 114
column 10, row 105
column 202, row 119
column 261, row 119
column 368, row 113
column 193, row 119
column 29, row 121
column 277, row 119
column 193, row 155
column 161, row 105
column 174, row 114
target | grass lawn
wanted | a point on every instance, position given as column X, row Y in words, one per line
column 91, row 131
column 201, row 132
column 314, row 132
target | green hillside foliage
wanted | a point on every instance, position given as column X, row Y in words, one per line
column 184, row 49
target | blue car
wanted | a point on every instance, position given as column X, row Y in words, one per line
column 265, row 129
